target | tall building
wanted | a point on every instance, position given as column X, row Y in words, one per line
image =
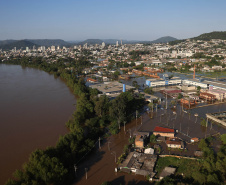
column 27, row 49
column 53, row 48
column 103, row 44
column 121, row 42
column 43, row 48
column 85, row 46
column 117, row 43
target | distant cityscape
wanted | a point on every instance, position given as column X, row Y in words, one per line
column 178, row 82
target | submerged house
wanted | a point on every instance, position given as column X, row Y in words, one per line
column 161, row 131
column 139, row 163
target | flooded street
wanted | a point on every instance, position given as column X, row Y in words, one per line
column 34, row 107
column 101, row 163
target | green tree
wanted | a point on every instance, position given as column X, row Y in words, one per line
column 148, row 90
column 223, row 138
column 102, row 106
column 203, row 123
column 199, row 177
column 134, row 83
column 203, row 144
column 45, row 168
column 153, row 138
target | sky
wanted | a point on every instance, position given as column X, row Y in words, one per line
column 110, row 19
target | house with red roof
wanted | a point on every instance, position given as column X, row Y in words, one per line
column 161, row 131
column 91, row 80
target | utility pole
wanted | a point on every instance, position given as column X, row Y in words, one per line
column 99, row 143
column 86, row 173
column 196, row 115
column 109, row 145
column 115, row 155
column 166, row 100
column 136, row 116
column 75, row 167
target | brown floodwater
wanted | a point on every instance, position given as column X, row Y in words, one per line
column 100, row 164
column 34, row 107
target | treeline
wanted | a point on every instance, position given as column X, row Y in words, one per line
column 93, row 117
column 135, row 55
column 209, row 170
column 211, row 35
column 202, row 55
column 213, row 168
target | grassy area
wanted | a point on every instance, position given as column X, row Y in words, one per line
column 206, row 74
column 185, row 166
column 213, row 74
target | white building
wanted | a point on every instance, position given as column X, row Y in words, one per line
column 103, row 44
column 161, row 82
column 205, row 84
column 53, row 48
column 43, row 48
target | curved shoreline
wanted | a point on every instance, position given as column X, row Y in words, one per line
column 35, row 124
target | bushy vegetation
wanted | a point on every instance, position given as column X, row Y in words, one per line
column 212, row 35
column 211, row 169
column 135, row 55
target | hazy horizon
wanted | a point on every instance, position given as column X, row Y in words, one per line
column 100, row 19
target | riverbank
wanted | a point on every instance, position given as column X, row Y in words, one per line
column 32, row 114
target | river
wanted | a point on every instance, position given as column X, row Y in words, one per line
column 34, row 107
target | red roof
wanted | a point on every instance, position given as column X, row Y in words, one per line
column 91, row 80
column 162, row 129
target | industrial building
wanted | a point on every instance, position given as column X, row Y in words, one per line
column 205, row 84
column 163, row 82
column 111, row 89
column 218, row 93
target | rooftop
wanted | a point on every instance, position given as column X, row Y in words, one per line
column 167, row 171
column 162, row 129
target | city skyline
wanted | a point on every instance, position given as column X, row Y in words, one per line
column 129, row 20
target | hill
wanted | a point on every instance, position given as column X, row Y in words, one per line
column 164, row 39
column 205, row 37
column 49, row 42
column 113, row 41
column 211, row 35
column 4, row 42
column 18, row 44
column 91, row 41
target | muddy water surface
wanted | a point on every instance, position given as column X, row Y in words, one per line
column 34, row 107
